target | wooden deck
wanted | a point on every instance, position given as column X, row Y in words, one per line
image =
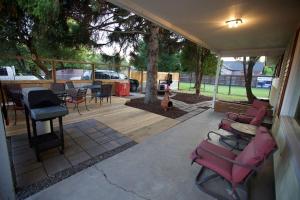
column 135, row 123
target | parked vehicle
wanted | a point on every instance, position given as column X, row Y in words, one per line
column 9, row 73
column 109, row 74
column 264, row 82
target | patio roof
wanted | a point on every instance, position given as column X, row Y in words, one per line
column 267, row 28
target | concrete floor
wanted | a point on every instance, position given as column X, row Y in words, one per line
column 158, row 168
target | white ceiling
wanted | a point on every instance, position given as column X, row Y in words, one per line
column 268, row 24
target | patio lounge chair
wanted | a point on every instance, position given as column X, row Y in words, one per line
column 237, row 139
column 249, row 114
column 256, row 120
column 234, row 169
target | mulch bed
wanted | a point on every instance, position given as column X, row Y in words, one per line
column 190, row 98
column 156, row 108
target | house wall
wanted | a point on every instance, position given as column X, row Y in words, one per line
column 292, row 92
column 6, row 182
column 286, row 129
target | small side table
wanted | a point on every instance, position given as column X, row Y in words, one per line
column 246, row 129
column 242, row 133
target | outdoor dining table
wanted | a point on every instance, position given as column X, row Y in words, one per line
column 92, row 86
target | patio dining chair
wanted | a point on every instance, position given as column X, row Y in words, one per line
column 105, row 92
column 250, row 112
column 77, row 96
column 14, row 95
column 70, row 84
column 60, row 90
column 94, row 91
column 220, row 164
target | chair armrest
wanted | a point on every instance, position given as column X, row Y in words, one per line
column 208, row 134
column 243, row 118
column 227, row 120
column 252, row 167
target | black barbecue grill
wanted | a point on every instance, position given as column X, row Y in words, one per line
column 43, row 105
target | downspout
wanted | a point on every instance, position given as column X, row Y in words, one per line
column 216, row 81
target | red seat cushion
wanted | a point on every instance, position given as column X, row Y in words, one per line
column 255, row 152
column 220, row 166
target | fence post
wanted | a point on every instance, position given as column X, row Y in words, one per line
column 128, row 71
column 142, row 80
column 217, row 80
column 93, row 72
column 178, row 81
column 53, row 71
column 230, row 79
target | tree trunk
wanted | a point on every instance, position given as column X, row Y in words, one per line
column 248, row 77
column 36, row 58
column 151, row 84
column 198, row 71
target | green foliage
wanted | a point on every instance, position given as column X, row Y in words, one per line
column 269, row 70
column 210, row 64
column 189, row 58
column 167, row 62
column 139, row 58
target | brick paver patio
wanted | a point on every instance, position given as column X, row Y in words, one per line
column 86, row 143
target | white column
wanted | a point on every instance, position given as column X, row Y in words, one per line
column 217, row 80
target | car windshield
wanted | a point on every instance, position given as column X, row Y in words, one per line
column 122, row 76
column 114, row 75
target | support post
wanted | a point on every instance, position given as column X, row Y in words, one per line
column 217, row 80
column 93, row 72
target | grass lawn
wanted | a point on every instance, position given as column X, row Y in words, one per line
column 237, row 93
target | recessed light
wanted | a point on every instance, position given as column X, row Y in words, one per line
column 234, row 23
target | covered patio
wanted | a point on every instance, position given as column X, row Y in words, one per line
column 159, row 166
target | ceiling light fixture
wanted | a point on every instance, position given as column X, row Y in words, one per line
column 234, row 23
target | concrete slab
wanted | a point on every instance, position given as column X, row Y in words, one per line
column 158, row 168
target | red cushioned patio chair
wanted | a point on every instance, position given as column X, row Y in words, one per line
column 250, row 112
column 229, row 168
column 237, row 137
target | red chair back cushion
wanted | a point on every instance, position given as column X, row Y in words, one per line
column 259, row 117
column 253, row 154
column 258, row 104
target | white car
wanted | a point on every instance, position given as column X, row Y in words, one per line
column 9, row 73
